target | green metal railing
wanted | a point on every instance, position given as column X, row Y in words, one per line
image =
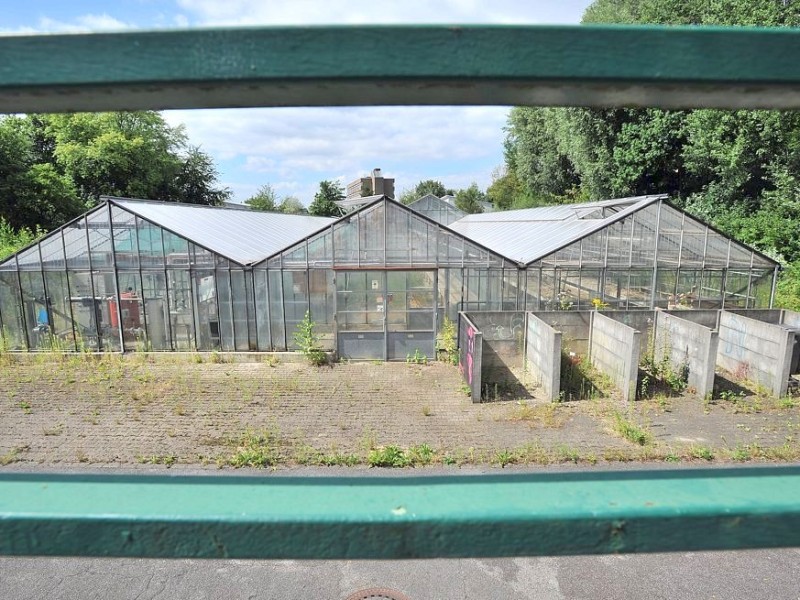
column 401, row 517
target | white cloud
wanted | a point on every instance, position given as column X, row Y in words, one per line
column 288, row 147
column 309, row 12
column 82, row 24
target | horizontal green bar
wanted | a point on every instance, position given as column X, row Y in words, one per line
column 546, row 65
column 399, row 517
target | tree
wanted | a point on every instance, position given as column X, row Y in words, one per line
column 32, row 194
column 469, row 199
column 424, row 187
column 324, row 200
column 196, row 181
column 265, row 199
column 133, row 154
column 292, row 206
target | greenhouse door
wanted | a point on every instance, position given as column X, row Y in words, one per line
column 385, row 315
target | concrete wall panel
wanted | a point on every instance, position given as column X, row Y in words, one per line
column 470, row 354
column 755, row 350
column 688, row 345
column 615, row 350
column 574, row 326
column 543, row 356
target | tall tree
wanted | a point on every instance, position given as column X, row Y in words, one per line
column 324, row 200
column 265, row 199
column 469, row 199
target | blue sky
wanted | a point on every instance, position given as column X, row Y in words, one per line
column 293, row 149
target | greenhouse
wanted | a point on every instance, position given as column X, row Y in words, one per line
column 378, row 282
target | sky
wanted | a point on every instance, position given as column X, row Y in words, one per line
column 293, row 149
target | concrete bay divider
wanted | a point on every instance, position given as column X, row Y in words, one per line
column 755, row 350
column 687, row 345
column 470, row 355
column 615, row 350
column 543, row 355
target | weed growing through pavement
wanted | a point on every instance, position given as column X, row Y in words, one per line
column 630, row 430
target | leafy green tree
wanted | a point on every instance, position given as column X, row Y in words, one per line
column 424, row 187
column 12, row 240
column 324, row 200
column 292, row 206
column 469, row 199
column 265, row 199
column 31, row 193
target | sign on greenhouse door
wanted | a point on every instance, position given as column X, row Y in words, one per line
column 385, row 315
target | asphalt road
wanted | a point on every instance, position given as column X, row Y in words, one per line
column 751, row 575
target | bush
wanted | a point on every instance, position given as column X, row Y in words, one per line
column 308, row 341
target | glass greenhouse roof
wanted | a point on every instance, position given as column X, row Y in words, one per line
column 530, row 234
column 245, row 236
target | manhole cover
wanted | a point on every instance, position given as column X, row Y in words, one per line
column 378, row 594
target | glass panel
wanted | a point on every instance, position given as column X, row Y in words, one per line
column 61, row 320
column 737, row 284
column 643, row 242
column 321, row 296
column 181, row 310
column 100, row 239
column 666, row 287
column 670, row 227
column 360, row 300
column 686, row 294
column 108, row 318
column 13, row 331
column 711, row 289
column 590, row 291
column 76, row 245
column 549, row 289
column 399, row 238
column 201, row 257
column 295, row 302
column 615, row 288
column 151, row 246
column 52, row 248
column 320, row 251
column 125, row 243
column 84, row 309
column 252, row 334
column 205, row 310
column 761, row 289
column 29, row 259
column 371, row 235
column 531, row 298
column 640, row 288
column 262, row 310
column 717, row 250
column 239, row 303
column 410, row 300
column 227, row 341
column 34, row 310
column 176, row 250
column 277, row 326
column 619, row 242
column 132, row 310
column 296, row 258
column 694, row 243
column 740, row 257
column 345, row 242
column 593, row 249
column 154, row 292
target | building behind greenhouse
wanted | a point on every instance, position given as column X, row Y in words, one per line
column 378, row 282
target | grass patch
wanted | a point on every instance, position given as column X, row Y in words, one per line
column 629, row 430
column 256, row 449
column 158, row 459
column 12, row 455
column 546, row 415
